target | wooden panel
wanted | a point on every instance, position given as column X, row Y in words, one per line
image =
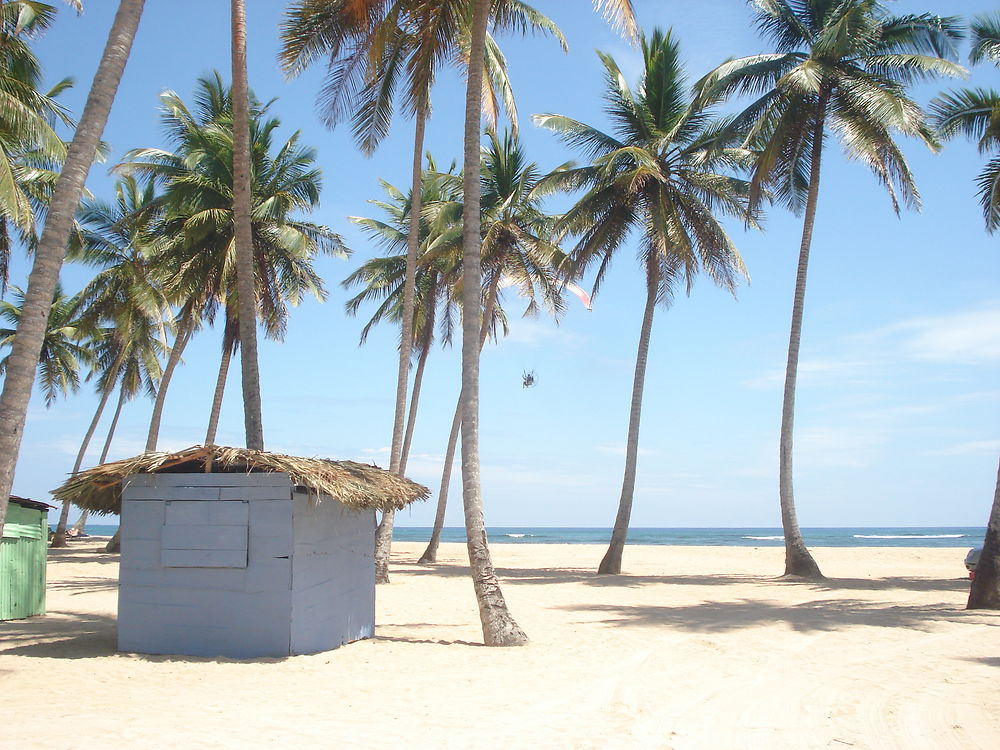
column 180, row 536
column 203, row 558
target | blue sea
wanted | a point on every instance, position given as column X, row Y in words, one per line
column 856, row 536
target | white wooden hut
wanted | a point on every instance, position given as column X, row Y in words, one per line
column 245, row 563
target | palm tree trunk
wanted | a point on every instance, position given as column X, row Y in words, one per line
column 985, row 590
column 383, row 534
column 798, row 560
column 499, row 627
column 411, row 417
column 23, row 358
column 220, row 386
column 430, row 554
column 244, row 234
column 59, row 538
column 180, row 342
column 82, row 522
column 612, row 562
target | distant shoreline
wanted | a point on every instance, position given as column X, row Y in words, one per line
column 849, row 536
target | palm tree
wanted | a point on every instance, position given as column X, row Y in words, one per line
column 657, row 175
column 194, row 250
column 244, row 232
column 66, row 349
column 49, row 255
column 975, row 113
column 371, row 45
column 383, row 278
column 126, row 296
column 517, row 251
column 843, row 66
column 499, row 627
column 30, row 149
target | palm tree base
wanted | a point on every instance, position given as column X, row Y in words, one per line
column 800, row 564
column 427, row 557
column 502, row 631
column 985, row 590
column 114, row 543
column 58, row 539
column 611, row 564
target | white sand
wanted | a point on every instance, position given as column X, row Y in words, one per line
column 693, row 647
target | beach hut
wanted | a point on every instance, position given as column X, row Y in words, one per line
column 240, row 553
column 22, row 559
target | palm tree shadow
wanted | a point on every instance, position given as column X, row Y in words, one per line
column 814, row 616
column 72, row 635
column 589, row 577
column 84, row 585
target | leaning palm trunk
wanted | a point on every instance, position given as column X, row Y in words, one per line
column 411, row 414
column 114, row 543
column 612, row 562
column 27, row 346
column 798, row 560
column 81, row 523
column 228, row 344
column 499, row 627
column 383, row 535
column 180, row 342
column 985, row 590
column 79, row 526
column 244, row 233
column 430, row 554
column 59, row 538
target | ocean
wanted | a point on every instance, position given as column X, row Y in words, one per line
column 854, row 536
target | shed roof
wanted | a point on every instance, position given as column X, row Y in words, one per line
column 33, row 504
column 361, row 486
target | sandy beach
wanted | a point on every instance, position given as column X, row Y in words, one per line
column 693, row 647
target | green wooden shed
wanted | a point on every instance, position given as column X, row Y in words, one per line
column 22, row 559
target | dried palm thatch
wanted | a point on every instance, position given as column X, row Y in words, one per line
column 360, row 486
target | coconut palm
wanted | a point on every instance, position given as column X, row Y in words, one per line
column 23, row 359
column 195, row 249
column 843, row 66
column 660, row 175
column 383, row 278
column 66, row 349
column 30, row 149
column 125, row 296
column 244, row 233
column 372, row 46
column 499, row 627
column 975, row 113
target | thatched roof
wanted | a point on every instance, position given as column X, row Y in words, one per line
column 361, row 486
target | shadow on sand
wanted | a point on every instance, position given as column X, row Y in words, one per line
column 590, row 578
column 819, row 615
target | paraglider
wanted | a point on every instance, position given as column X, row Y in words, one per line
column 528, row 379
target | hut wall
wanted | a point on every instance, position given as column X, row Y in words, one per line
column 333, row 575
column 23, row 551
column 207, row 566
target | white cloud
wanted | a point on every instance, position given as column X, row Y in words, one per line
column 963, row 337
column 537, row 331
column 970, row 337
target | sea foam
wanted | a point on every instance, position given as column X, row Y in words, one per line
column 908, row 536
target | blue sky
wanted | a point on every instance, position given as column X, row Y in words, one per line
column 898, row 392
